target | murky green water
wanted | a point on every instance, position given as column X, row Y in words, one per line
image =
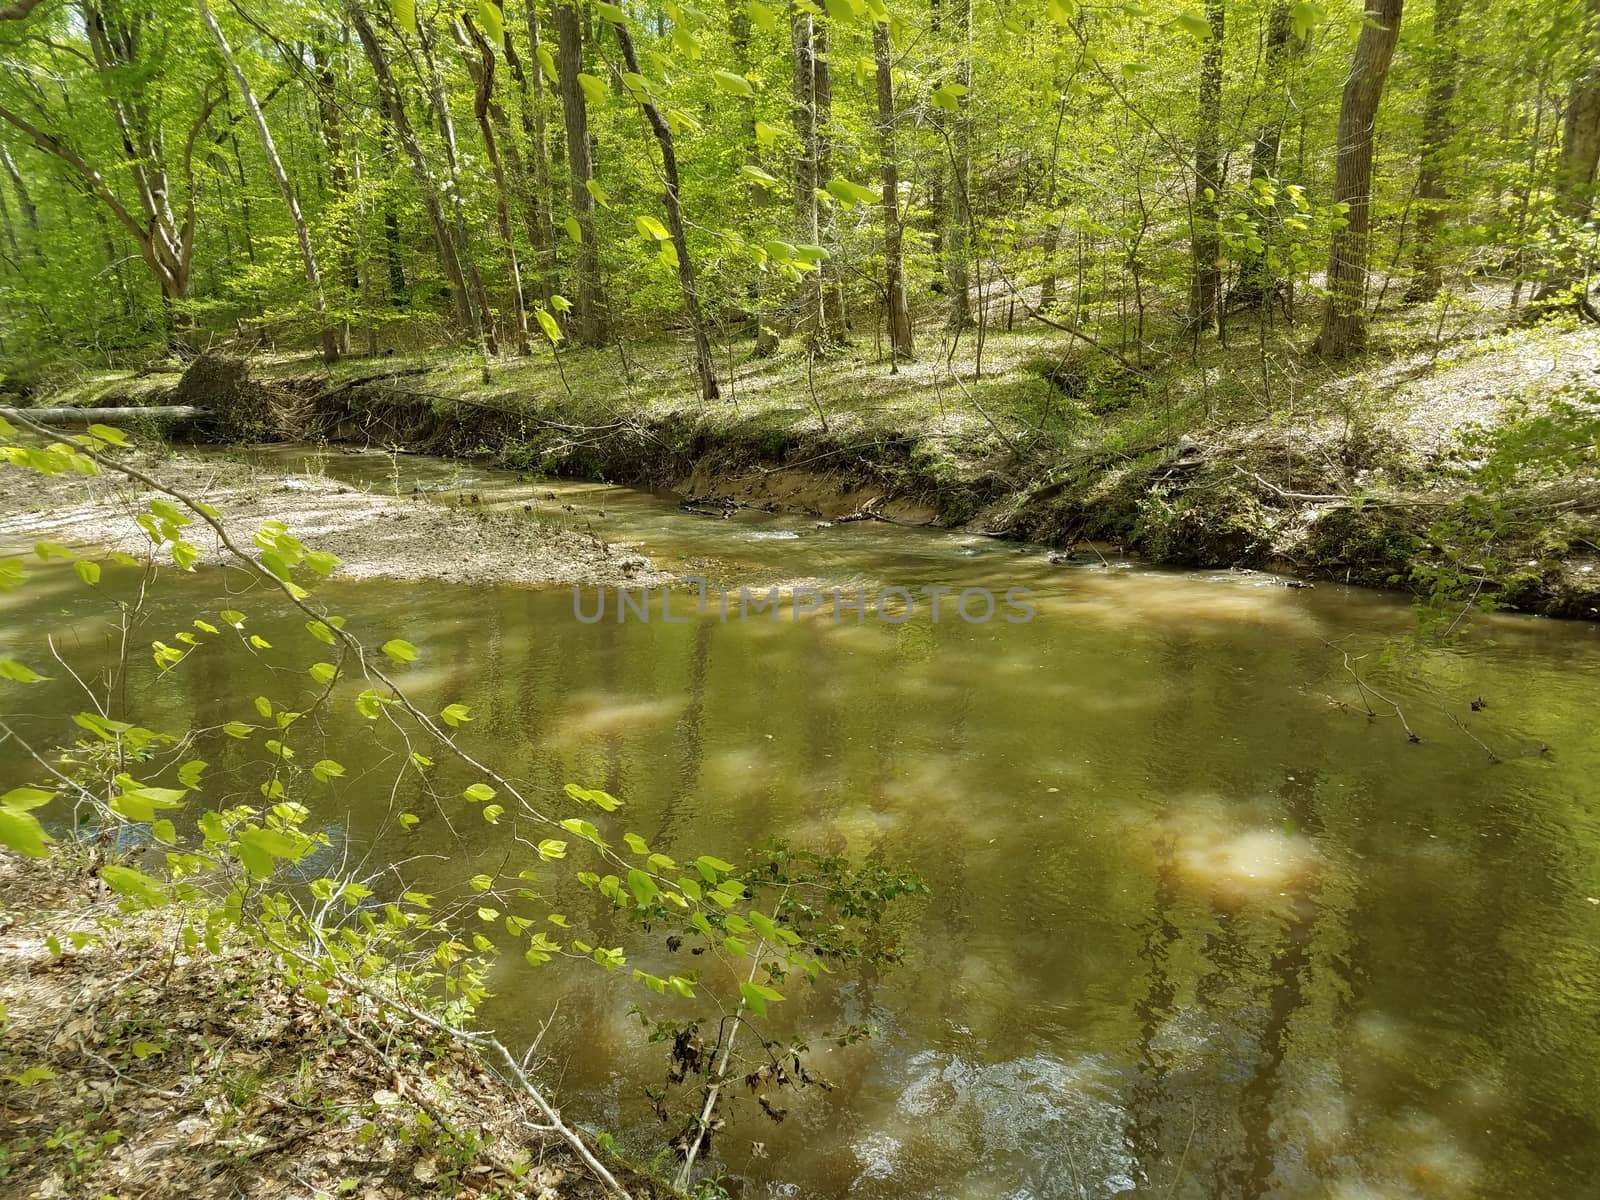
column 1200, row 928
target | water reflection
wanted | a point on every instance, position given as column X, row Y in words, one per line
column 1198, row 931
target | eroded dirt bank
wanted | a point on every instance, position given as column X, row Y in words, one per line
column 375, row 535
column 1373, row 475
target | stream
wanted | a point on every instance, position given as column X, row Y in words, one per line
column 1199, row 926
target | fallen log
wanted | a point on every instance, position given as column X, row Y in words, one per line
column 105, row 416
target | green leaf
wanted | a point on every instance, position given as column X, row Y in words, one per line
column 594, row 88
column 734, row 85
column 87, row 571
column 548, row 324
column 494, row 25
column 263, row 706
column 573, row 229
column 189, row 774
column 767, row 135
column 610, row 12
column 636, row 843
column 322, row 672
column 405, row 14
column 651, row 228
column 11, row 669
column 19, row 831
column 547, row 61
column 493, row 812
column 1061, row 12
column 24, row 798
column 326, row 769
column 479, row 792
column 850, row 194
column 400, row 651
column 135, row 885
column 1306, row 16
column 762, row 17
column 321, row 632
column 584, row 830
column 105, row 433
column 455, row 715
column 756, row 997
column 1195, row 25
column 644, row 888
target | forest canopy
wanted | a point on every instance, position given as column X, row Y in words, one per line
column 515, row 174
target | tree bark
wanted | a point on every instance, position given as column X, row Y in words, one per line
column 1256, row 283
column 588, row 314
column 958, row 234
column 491, row 116
column 1344, row 325
column 704, row 363
column 269, row 150
column 329, row 118
column 394, row 112
column 483, row 322
column 802, row 29
column 1580, row 157
column 834, row 322
column 1205, row 284
column 896, row 306
column 534, row 170
column 1438, row 129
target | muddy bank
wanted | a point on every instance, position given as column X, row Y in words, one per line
column 376, row 535
column 1377, row 492
column 131, row 1068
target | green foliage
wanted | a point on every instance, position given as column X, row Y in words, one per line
column 240, row 849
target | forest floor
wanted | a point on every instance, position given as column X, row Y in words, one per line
column 1387, row 470
column 374, row 534
column 133, row 1069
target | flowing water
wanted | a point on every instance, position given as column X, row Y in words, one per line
column 1199, row 926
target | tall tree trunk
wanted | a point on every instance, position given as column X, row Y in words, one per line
column 589, row 323
column 704, row 364
column 897, row 309
column 329, row 117
column 1438, row 129
column 1205, row 284
column 394, row 113
column 766, row 337
column 1580, row 158
column 483, row 322
column 1344, row 324
column 802, row 29
column 491, row 116
column 269, row 150
column 958, row 234
column 1256, row 284
column 533, row 172
column 834, row 322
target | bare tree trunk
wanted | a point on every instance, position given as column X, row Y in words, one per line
column 1438, row 128
column 394, row 112
column 897, row 309
column 1344, row 325
column 958, row 234
column 490, row 115
column 330, row 348
column 1205, row 285
column 835, row 323
column 1256, row 284
column 534, row 171
column 802, row 29
column 339, row 175
column 704, row 363
column 589, row 318
column 483, row 322
column 1580, row 158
